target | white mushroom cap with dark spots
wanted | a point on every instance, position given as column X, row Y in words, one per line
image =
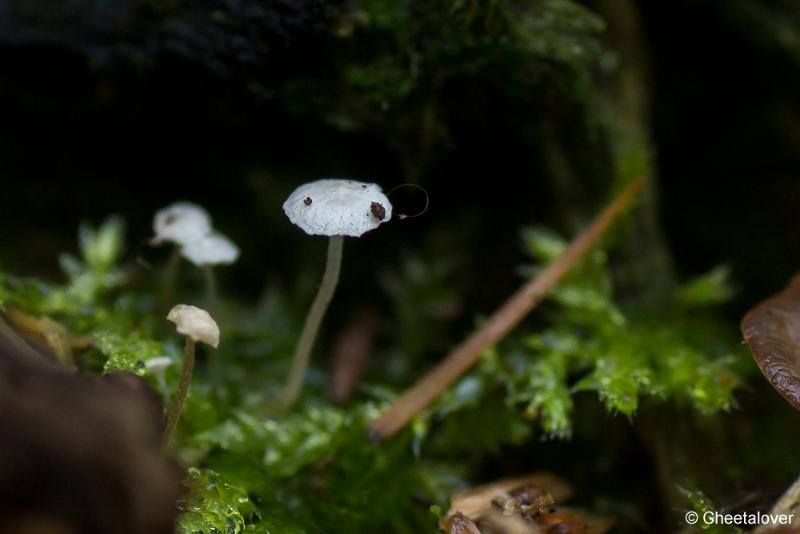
column 180, row 223
column 195, row 323
column 212, row 249
column 338, row 207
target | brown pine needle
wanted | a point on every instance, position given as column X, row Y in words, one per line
column 464, row 356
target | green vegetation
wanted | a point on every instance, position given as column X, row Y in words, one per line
column 511, row 113
column 316, row 466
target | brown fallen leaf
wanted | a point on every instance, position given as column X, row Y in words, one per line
column 80, row 454
column 521, row 505
column 43, row 332
column 772, row 331
column 474, row 501
column 458, row 523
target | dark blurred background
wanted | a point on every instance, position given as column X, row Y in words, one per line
column 123, row 107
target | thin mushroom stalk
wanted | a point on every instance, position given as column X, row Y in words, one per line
column 206, row 253
column 211, row 286
column 170, row 277
column 175, row 409
column 197, row 325
column 308, row 335
column 500, row 323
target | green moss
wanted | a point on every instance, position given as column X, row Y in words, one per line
column 215, row 506
column 317, row 467
column 127, row 352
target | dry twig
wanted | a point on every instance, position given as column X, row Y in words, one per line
column 499, row 324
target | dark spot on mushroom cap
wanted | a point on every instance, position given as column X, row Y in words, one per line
column 169, row 219
column 307, row 201
column 378, row 211
column 363, row 187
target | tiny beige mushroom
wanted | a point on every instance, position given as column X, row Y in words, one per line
column 195, row 323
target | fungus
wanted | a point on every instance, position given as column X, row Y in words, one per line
column 197, row 325
column 332, row 208
column 189, row 227
column 207, row 251
column 180, row 223
column 157, row 367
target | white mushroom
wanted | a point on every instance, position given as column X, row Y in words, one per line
column 333, row 208
column 197, row 325
column 338, row 207
column 180, row 223
column 157, row 367
column 211, row 249
column 189, row 227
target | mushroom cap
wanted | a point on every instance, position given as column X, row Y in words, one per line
column 180, row 223
column 211, row 249
column 195, row 323
column 158, row 364
column 333, row 207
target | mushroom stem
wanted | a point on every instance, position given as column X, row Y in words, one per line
column 211, row 287
column 175, row 409
column 171, row 276
column 306, row 342
column 500, row 323
column 214, row 371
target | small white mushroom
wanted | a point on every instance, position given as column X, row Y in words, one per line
column 189, row 227
column 333, row 208
column 196, row 323
column 211, row 249
column 180, row 223
column 157, row 367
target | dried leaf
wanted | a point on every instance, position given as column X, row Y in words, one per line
column 772, row 331
column 472, row 501
column 80, row 454
column 522, row 505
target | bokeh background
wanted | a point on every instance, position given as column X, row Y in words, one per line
column 123, row 107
